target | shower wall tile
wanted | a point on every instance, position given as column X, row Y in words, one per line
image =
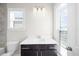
column 3, row 25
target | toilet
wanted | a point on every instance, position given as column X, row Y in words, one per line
column 11, row 48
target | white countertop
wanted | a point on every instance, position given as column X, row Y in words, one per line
column 38, row 41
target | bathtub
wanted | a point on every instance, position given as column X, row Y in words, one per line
column 2, row 51
column 11, row 48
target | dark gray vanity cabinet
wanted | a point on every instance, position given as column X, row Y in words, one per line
column 39, row 50
column 49, row 53
column 29, row 50
column 28, row 53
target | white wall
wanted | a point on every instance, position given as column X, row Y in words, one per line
column 76, row 49
column 36, row 26
column 56, row 22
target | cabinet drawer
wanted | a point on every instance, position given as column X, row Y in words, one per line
column 29, row 47
column 40, row 46
column 49, row 53
column 50, row 46
column 29, row 53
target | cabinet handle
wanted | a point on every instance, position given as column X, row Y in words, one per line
column 37, row 53
column 25, row 48
column 41, row 53
column 51, row 47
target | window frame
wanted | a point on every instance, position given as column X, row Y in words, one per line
column 62, row 6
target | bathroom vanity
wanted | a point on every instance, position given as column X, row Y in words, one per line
column 38, row 47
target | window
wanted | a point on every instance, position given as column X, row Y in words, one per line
column 16, row 19
column 63, row 25
column 64, row 18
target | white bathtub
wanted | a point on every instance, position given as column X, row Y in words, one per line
column 2, row 50
column 11, row 48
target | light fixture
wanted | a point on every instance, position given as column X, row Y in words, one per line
column 39, row 11
column 38, row 8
